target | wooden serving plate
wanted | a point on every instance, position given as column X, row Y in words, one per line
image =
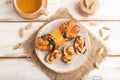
column 59, row 66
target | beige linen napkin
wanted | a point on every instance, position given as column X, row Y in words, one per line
column 77, row 74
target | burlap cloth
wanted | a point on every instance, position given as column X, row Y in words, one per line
column 83, row 70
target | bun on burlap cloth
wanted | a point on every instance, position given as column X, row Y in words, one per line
column 77, row 74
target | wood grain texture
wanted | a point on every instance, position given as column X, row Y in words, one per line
column 109, row 70
column 15, row 64
column 9, row 36
column 20, row 69
column 113, row 42
column 105, row 12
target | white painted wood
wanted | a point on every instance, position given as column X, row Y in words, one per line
column 113, row 43
column 20, row 70
column 109, row 70
column 109, row 9
column 9, row 36
column 24, row 70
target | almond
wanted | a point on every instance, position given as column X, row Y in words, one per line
column 93, row 5
column 28, row 26
column 21, row 32
column 97, row 65
column 93, row 24
column 86, row 3
column 107, row 37
column 17, row 46
column 100, row 51
column 106, row 28
column 101, row 33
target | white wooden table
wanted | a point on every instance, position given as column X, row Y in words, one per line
column 14, row 64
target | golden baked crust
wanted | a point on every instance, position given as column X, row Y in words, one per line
column 58, row 36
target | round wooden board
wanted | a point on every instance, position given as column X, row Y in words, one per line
column 59, row 66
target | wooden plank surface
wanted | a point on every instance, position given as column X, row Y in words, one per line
column 9, row 36
column 113, row 43
column 109, row 70
column 14, row 64
column 109, row 10
column 21, row 69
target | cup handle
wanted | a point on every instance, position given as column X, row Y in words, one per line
column 44, row 12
